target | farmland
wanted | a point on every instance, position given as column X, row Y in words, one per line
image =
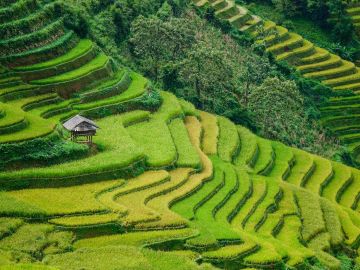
column 164, row 185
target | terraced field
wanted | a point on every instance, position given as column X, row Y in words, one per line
column 353, row 9
column 173, row 187
column 341, row 114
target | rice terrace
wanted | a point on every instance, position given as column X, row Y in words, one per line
column 179, row 134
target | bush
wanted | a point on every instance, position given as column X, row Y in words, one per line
column 40, row 151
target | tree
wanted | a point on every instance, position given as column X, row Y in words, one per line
column 156, row 43
column 276, row 106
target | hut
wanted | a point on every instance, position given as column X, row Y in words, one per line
column 80, row 126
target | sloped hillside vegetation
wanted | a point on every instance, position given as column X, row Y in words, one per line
column 166, row 183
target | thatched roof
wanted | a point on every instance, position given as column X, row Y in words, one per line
column 79, row 122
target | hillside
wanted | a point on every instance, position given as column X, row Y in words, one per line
column 339, row 114
column 165, row 185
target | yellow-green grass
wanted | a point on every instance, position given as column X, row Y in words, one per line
column 120, row 79
column 30, row 238
column 88, row 220
column 303, row 168
column 259, row 211
column 135, row 238
column 283, row 161
column 294, row 41
column 281, row 34
column 306, row 49
column 230, row 252
column 311, row 213
column 155, row 140
column 9, row 225
column 210, row 133
column 30, row 266
column 10, row 206
column 333, row 189
column 332, row 222
column 11, row 116
column 122, row 257
column 98, row 62
column 351, row 230
column 107, row 197
column 195, row 181
column 226, row 213
column 36, row 127
column 189, row 205
column 323, row 173
column 66, row 200
column 169, row 109
column 259, row 190
column 187, row 154
column 319, row 56
column 249, row 151
column 350, row 196
column 15, row 89
column 44, row 111
column 136, row 89
column 265, row 160
column 289, row 235
column 188, row 108
column 27, row 56
column 81, row 48
column 133, row 117
column 160, row 200
column 332, row 62
column 23, row 102
column 116, row 152
column 320, row 243
column 135, row 202
column 205, row 213
column 346, row 68
column 353, row 78
column 228, row 143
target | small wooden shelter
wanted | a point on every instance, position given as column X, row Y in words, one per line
column 80, row 126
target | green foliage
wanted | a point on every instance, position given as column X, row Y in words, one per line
column 42, row 151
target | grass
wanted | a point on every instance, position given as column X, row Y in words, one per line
column 323, row 173
column 187, row 154
column 76, row 221
column 205, row 214
column 282, row 162
column 303, row 168
column 135, row 202
column 210, row 133
column 155, row 140
column 98, row 62
column 65, row 200
column 249, row 151
column 260, row 208
column 332, row 221
column 81, row 48
column 134, row 238
column 265, row 158
column 259, row 191
column 30, row 238
column 121, row 257
column 117, row 152
column 311, row 213
column 349, row 196
column 136, row 89
column 9, row 226
column 228, row 142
